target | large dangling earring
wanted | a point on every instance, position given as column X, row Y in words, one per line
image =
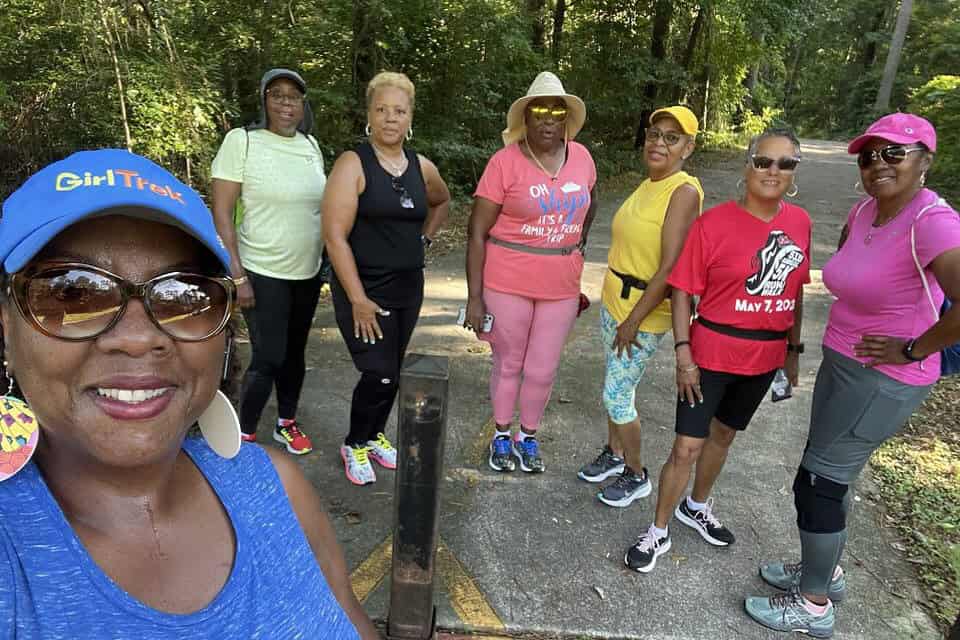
column 409, row 135
column 19, row 432
column 220, row 426
column 739, row 186
column 366, row 130
column 793, row 190
column 858, row 189
column 923, row 179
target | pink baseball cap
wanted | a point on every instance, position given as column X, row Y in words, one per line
column 900, row 128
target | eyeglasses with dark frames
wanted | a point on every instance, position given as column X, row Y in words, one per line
column 669, row 137
column 280, row 97
column 76, row 302
column 890, row 154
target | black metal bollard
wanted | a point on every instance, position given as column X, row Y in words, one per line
column 421, row 434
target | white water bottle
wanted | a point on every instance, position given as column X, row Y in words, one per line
column 780, row 389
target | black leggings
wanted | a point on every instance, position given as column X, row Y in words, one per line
column 379, row 364
column 279, row 326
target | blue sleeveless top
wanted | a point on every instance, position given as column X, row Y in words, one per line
column 50, row 587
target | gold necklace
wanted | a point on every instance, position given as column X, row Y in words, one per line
column 397, row 168
column 533, row 154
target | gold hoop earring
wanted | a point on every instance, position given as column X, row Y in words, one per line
column 19, row 431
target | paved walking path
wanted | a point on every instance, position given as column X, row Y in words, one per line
column 540, row 554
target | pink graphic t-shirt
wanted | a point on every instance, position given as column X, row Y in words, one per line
column 536, row 211
column 878, row 287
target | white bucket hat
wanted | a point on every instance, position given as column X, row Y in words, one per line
column 545, row 85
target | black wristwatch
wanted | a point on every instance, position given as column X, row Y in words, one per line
column 908, row 350
column 798, row 348
column 426, row 242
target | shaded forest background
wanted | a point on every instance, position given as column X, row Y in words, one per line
column 168, row 77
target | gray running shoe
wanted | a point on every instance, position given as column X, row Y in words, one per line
column 527, row 451
column 500, row 458
column 605, row 466
column 629, row 486
column 786, row 612
column 787, row 576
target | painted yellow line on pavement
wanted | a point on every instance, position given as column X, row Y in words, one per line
column 465, row 597
column 371, row 572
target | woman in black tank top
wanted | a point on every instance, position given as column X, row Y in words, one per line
column 382, row 206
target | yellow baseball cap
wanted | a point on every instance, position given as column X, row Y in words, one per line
column 688, row 121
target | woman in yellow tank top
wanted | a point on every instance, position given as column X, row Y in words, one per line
column 648, row 233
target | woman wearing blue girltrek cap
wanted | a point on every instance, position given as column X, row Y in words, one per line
column 114, row 523
column 899, row 255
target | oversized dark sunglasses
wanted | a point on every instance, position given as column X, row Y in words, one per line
column 76, row 302
column 786, row 163
column 890, row 154
column 405, row 200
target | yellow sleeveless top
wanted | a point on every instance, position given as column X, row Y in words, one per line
column 635, row 247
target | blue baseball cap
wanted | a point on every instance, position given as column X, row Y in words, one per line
column 90, row 183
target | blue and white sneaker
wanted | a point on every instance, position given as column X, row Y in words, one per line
column 786, row 612
column 527, row 451
column 500, row 458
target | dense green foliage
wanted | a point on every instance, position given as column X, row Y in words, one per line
column 189, row 70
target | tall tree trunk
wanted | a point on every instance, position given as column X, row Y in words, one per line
column 559, row 15
column 893, row 57
column 538, row 30
column 690, row 49
column 663, row 13
column 112, row 49
column 869, row 55
column 364, row 53
column 707, row 68
column 794, row 73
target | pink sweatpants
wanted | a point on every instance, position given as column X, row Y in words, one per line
column 527, row 340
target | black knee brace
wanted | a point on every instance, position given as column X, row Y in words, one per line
column 821, row 503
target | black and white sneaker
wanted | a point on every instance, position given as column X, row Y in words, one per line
column 629, row 486
column 605, row 466
column 643, row 555
column 705, row 523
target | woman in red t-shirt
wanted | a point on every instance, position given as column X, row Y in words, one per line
column 747, row 260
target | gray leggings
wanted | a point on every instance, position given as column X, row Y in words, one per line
column 855, row 410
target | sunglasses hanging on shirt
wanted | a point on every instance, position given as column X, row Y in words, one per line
column 405, row 200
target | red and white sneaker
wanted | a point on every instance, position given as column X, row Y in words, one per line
column 382, row 452
column 357, row 465
column 290, row 436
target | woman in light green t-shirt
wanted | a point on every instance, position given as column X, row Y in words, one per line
column 275, row 168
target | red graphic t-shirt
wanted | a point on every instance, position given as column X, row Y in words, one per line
column 539, row 212
column 748, row 274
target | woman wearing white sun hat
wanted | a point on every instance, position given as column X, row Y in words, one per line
column 532, row 212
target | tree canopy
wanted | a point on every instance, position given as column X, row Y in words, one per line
column 168, row 77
